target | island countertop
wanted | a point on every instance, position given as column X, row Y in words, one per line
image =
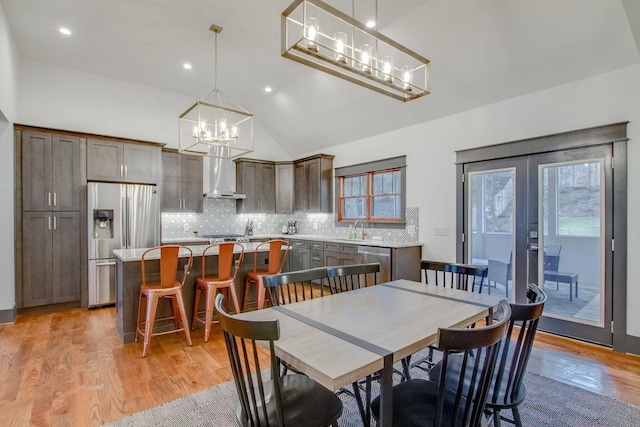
column 127, row 255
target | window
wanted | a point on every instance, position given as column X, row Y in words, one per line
column 373, row 192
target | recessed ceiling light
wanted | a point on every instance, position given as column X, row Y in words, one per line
column 371, row 24
column 187, row 66
column 268, row 89
column 65, row 31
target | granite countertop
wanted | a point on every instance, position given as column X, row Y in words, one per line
column 127, row 255
column 368, row 242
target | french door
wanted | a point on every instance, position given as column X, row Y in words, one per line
column 546, row 219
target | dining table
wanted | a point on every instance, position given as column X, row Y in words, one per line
column 339, row 339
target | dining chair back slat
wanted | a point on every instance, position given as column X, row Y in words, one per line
column 349, row 277
column 291, row 400
column 450, row 400
column 294, row 286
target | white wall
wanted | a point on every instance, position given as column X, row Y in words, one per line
column 430, row 148
column 63, row 98
column 8, row 84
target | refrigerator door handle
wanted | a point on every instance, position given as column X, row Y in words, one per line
column 129, row 219
column 123, row 222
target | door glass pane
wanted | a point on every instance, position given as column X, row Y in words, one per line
column 491, row 221
column 572, row 217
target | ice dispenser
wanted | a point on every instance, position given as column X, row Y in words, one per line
column 102, row 224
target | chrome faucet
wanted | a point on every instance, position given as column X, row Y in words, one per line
column 353, row 230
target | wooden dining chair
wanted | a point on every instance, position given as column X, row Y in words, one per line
column 294, row 286
column 289, row 400
column 349, row 277
column 277, row 260
column 230, row 255
column 439, row 403
column 167, row 288
column 508, row 389
column 466, row 277
column 437, row 271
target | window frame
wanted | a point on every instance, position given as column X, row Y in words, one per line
column 369, row 169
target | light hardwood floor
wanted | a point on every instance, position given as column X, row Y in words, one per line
column 69, row 368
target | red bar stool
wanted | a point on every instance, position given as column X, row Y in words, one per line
column 168, row 287
column 276, row 263
column 224, row 281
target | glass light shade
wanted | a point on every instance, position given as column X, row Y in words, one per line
column 340, row 46
column 407, row 76
column 313, row 29
column 366, row 52
column 387, row 68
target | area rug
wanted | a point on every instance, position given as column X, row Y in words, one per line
column 548, row 403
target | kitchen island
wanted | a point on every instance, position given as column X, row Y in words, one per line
column 129, row 279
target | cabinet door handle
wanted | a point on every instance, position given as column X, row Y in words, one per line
column 55, row 199
column 49, row 200
column 122, row 171
column 49, row 221
column 55, row 223
column 126, row 171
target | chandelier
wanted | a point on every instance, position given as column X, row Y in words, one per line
column 324, row 38
column 216, row 126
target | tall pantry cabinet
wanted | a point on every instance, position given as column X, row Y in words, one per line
column 49, row 176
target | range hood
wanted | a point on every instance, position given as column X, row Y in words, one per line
column 220, row 178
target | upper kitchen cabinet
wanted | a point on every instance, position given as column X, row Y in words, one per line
column 257, row 180
column 284, row 187
column 313, row 184
column 181, row 182
column 122, row 162
column 50, row 172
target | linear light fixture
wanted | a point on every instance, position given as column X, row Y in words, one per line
column 324, row 38
column 216, row 126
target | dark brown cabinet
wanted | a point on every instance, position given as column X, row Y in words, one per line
column 51, row 255
column 181, row 182
column 51, row 259
column 117, row 161
column 313, row 184
column 299, row 255
column 340, row 254
column 50, row 172
column 284, row 188
column 257, row 180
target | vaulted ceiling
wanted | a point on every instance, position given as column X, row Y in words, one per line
column 481, row 52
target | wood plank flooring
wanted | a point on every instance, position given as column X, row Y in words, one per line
column 69, row 368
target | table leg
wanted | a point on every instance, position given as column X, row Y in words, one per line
column 386, row 392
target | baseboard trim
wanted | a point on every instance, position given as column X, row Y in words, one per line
column 633, row 345
column 8, row 316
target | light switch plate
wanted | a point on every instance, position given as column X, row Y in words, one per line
column 441, row 230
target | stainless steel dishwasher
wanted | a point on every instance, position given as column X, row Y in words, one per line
column 381, row 255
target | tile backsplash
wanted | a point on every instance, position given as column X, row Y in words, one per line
column 219, row 217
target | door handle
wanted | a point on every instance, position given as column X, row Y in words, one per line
column 533, row 247
column 49, row 221
column 126, row 172
column 49, row 199
column 103, row 264
column 55, row 199
column 55, row 223
column 122, row 171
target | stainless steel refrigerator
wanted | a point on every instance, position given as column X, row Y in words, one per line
column 120, row 216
